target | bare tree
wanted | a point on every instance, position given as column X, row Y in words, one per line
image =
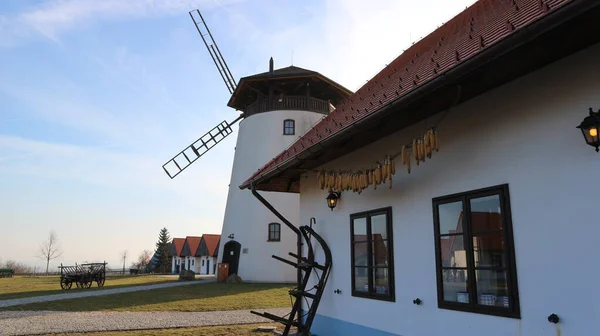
column 143, row 260
column 17, row 267
column 50, row 249
column 124, row 257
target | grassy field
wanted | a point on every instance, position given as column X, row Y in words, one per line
column 243, row 330
column 201, row 297
column 19, row 286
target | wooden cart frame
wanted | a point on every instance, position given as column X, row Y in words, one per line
column 83, row 276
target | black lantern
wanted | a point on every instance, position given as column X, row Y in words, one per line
column 589, row 127
column 332, row 199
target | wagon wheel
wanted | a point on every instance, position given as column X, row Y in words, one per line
column 100, row 280
column 84, row 282
column 87, row 281
column 65, row 284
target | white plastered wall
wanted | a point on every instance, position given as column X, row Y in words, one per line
column 523, row 134
column 260, row 139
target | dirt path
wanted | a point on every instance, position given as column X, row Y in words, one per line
column 51, row 322
column 82, row 294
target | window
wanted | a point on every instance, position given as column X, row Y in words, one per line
column 372, row 254
column 202, row 262
column 475, row 257
column 274, row 232
column 289, row 126
column 192, row 262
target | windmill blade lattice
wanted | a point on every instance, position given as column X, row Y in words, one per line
column 213, row 50
column 198, row 148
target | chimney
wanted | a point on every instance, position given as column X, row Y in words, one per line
column 271, row 65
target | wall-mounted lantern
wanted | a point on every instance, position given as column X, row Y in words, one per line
column 230, row 236
column 589, row 127
column 332, row 199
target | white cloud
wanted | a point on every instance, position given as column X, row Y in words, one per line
column 347, row 40
column 53, row 18
column 100, row 166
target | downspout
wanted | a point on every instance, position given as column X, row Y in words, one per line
column 288, row 224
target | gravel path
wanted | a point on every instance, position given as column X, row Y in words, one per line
column 82, row 294
column 52, row 322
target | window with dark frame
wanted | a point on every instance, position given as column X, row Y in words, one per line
column 289, row 126
column 274, row 232
column 475, row 259
column 372, row 254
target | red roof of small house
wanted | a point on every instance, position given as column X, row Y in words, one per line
column 479, row 27
column 191, row 244
column 176, row 247
column 209, row 245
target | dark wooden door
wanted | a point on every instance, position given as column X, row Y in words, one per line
column 231, row 255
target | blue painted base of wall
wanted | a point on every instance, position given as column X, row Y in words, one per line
column 327, row 326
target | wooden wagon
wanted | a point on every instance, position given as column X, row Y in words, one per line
column 83, row 276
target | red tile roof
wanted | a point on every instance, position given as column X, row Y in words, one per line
column 483, row 24
column 212, row 243
column 177, row 246
column 191, row 244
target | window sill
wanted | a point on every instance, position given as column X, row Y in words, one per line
column 273, row 241
column 374, row 297
column 484, row 310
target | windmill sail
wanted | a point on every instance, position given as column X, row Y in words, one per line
column 198, row 148
column 213, row 50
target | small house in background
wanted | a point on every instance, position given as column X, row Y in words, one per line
column 494, row 234
column 175, row 254
column 207, row 253
column 188, row 253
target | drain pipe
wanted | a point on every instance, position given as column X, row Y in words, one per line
column 287, row 223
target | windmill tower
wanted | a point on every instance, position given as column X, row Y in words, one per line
column 277, row 107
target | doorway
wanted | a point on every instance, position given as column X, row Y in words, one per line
column 231, row 256
column 207, row 266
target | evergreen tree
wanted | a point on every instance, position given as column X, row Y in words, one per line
column 162, row 251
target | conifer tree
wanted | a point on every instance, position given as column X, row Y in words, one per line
column 162, row 251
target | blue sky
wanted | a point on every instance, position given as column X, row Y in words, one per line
column 96, row 95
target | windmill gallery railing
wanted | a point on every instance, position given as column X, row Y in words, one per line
column 301, row 103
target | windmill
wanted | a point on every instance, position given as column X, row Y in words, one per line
column 206, row 142
column 277, row 107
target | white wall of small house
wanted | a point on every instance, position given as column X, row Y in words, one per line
column 522, row 134
column 260, row 139
column 207, row 260
column 176, row 261
column 192, row 263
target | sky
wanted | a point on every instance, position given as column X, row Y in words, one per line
column 95, row 96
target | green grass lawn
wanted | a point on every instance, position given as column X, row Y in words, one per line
column 200, row 297
column 240, row 330
column 21, row 286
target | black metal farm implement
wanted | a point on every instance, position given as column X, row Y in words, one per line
column 83, row 276
column 307, row 267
